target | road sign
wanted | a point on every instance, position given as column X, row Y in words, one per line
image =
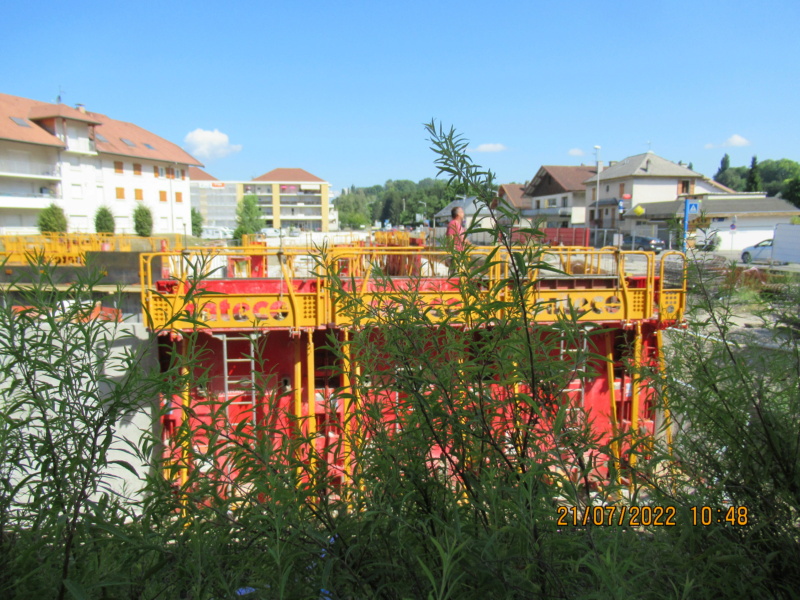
column 694, row 208
column 733, row 226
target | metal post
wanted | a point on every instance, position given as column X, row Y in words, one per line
column 685, row 222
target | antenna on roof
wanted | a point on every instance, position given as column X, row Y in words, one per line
column 649, row 146
column 58, row 98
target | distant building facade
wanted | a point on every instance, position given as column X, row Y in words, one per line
column 289, row 198
column 81, row 160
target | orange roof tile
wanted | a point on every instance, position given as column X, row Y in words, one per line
column 289, row 175
column 19, row 108
column 513, row 192
column 196, row 174
column 111, row 130
column 45, row 111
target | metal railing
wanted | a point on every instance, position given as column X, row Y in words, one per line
column 71, row 248
column 251, row 288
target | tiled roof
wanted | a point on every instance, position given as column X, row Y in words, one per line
column 113, row 131
column 645, row 165
column 19, row 108
column 513, row 192
column 722, row 207
column 196, row 174
column 158, row 149
column 568, row 178
column 289, row 175
column 46, row 111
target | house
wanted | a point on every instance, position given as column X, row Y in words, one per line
column 287, row 197
column 641, row 179
column 737, row 219
column 556, row 196
column 82, row 160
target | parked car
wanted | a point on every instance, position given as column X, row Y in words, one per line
column 640, row 242
column 217, row 233
column 270, row 232
column 762, row 251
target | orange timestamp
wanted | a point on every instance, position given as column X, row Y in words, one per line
column 649, row 516
column 632, row 516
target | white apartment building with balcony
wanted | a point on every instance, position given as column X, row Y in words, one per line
column 289, row 198
column 80, row 160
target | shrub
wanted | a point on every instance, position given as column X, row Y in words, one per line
column 143, row 221
column 197, row 223
column 52, row 220
column 104, row 220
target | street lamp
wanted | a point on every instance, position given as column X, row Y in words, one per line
column 597, row 193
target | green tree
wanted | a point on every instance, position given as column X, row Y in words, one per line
column 52, row 220
column 776, row 174
column 754, row 183
column 197, row 223
column 724, row 165
column 791, row 192
column 143, row 221
column 104, row 220
column 734, row 178
column 249, row 219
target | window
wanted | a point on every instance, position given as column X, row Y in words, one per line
column 137, row 169
column 591, row 215
column 100, row 138
column 162, row 196
column 127, row 142
column 20, row 122
column 564, row 201
column 685, row 187
column 120, row 193
column 155, row 171
column 538, row 204
column 149, row 146
column 117, row 166
column 621, row 190
column 608, row 187
column 138, row 194
column 178, row 196
column 552, row 202
column 605, row 212
column 170, row 173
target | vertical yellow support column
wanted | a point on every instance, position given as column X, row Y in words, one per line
column 297, row 394
column 662, row 367
column 185, row 410
column 612, row 394
column 311, row 398
column 636, row 378
column 276, row 205
column 346, row 411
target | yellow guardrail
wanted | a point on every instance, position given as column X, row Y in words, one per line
column 71, row 248
column 269, row 287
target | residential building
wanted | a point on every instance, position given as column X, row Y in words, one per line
column 289, row 198
column 737, row 219
column 641, row 179
column 556, row 196
column 81, row 160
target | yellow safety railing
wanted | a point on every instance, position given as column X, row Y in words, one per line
column 271, row 287
column 71, row 248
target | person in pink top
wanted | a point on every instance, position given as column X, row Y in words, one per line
column 455, row 229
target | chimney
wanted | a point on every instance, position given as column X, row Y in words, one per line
column 599, row 166
column 611, row 163
column 81, row 108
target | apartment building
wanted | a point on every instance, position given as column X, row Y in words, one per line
column 289, row 198
column 81, row 160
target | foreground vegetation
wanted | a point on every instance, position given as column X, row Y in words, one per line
column 480, row 519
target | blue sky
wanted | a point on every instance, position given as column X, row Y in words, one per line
column 342, row 89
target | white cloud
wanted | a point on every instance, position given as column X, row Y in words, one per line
column 489, row 148
column 735, row 141
column 209, row 145
column 576, row 152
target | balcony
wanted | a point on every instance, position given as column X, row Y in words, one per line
column 26, row 200
column 554, row 211
column 81, row 146
column 29, row 170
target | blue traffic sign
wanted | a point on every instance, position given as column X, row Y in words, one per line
column 694, row 208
